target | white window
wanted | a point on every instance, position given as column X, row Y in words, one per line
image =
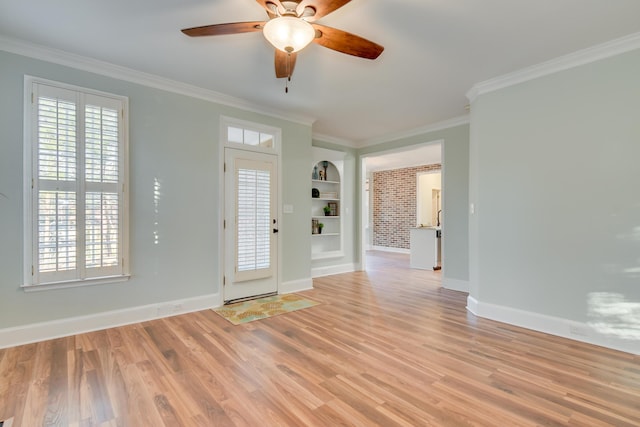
column 250, row 136
column 76, row 218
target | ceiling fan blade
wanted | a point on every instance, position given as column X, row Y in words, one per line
column 322, row 7
column 345, row 42
column 285, row 63
column 222, row 29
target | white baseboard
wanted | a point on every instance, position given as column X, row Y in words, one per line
column 395, row 250
column 11, row 337
column 472, row 305
column 295, row 286
column 333, row 269
column 578, row 331
column 455, row 284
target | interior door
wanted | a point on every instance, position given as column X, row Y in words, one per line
column 250, row 224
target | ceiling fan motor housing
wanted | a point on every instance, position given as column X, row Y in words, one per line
column 289, row 33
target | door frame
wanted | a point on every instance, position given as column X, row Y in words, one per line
column 244, row 285
column 361, row 182
column 224, row 122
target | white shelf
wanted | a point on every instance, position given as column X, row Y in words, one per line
column 329, row 243
column 325, row 182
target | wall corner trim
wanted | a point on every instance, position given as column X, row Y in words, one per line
column 25, row 334
column 472, row 305
column 572, row 60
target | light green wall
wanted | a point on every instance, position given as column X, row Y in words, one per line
column 455, row 194
column 455, row 199
column 296, row 189
column 174, row 139
column 556, row 183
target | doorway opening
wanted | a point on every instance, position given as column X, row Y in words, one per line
column 429, row 153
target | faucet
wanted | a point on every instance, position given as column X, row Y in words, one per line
column 439, row 217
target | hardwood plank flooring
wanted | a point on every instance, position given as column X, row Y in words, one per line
column 386, row 347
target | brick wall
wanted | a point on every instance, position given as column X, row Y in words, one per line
column 394, row 205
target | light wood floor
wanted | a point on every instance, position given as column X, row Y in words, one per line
column 387, row 347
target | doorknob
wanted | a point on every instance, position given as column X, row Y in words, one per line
column 275, row 230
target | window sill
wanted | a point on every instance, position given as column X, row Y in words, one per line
column 76, row 283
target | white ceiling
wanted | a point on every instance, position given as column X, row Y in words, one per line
column 435, row 50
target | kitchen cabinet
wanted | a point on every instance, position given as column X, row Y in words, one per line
column 425, row 248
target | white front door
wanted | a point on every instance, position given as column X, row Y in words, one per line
column 251, row 239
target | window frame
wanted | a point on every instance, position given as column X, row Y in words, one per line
column 227, row 122
column 31, row 278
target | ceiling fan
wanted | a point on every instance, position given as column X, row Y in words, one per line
column 291, row 27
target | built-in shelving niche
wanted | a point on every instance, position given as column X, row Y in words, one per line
column 326, row 183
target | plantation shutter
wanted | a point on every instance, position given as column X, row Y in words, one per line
column 253, row 220
column 56, row 184
column 78, row 189
column 102, row 178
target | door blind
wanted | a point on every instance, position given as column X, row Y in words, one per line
column 253, row 220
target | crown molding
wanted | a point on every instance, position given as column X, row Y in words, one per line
column 572, row 60
column 433, row 127
column 107, row 69
column 334, row 140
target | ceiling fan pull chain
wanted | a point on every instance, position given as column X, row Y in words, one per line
column 286, row 84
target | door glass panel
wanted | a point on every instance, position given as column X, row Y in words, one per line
column 253, row 220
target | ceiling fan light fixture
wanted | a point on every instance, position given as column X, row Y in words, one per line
column 288, row 33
